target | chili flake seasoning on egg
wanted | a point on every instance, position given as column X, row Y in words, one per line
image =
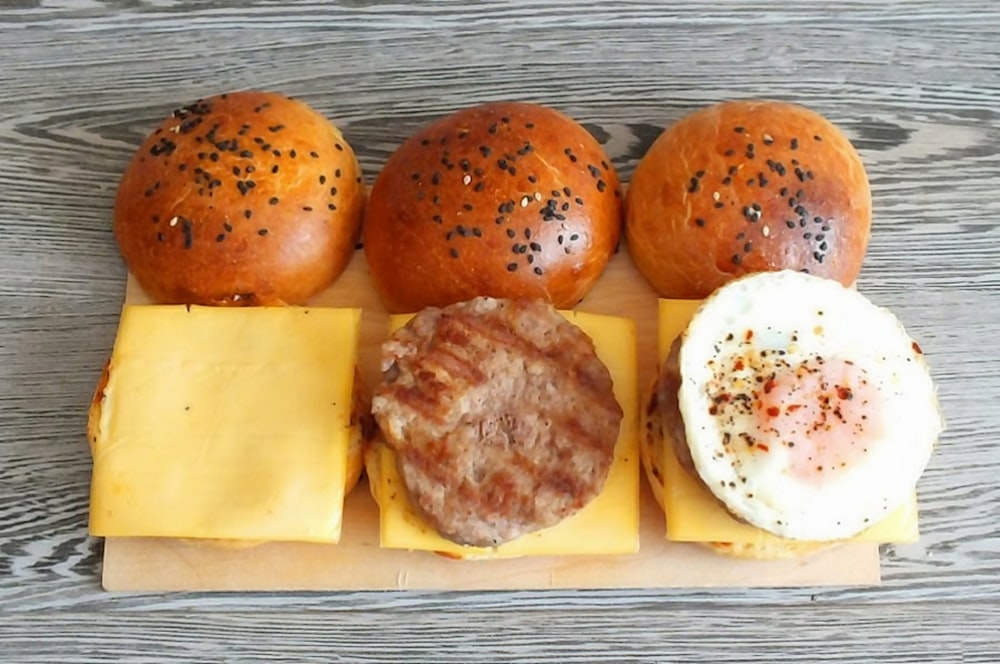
column 804, row 409
column 743, row 187
column 503, row 200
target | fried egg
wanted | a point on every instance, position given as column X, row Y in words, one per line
column 809, row 411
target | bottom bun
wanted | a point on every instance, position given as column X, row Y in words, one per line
column 361, row 430
column 652, row 450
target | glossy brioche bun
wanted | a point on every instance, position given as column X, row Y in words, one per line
column 505, row 200
column 245, row 198
column 654, row 442
column 360, row 436
column 747, row 186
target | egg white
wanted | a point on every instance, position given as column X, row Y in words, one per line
column 804, row 317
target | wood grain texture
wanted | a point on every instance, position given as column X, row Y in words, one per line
column 915, row 84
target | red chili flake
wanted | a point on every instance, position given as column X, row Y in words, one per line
column 844, row 393
column 768, row 386
column 791, row 408
column 763, row 447
column 749, row 335
column 739, row 366
column 773, row 411
column 917, row 349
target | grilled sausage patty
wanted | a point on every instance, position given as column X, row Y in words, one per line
column 502, row 417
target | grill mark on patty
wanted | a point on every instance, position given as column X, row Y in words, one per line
column 503, row 419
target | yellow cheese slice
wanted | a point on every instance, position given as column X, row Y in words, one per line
column 609, row 524
column 692, row 512
column 228, row 423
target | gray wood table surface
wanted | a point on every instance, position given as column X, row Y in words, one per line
column 916, row 85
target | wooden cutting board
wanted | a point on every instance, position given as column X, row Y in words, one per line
column 357, row 563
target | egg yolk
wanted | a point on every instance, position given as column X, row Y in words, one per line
column 822, row 411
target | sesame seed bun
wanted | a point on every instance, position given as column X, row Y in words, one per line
column 245, row 198
column 504, row 200
column 747, row 186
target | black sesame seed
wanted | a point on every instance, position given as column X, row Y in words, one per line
column 511, row 233
column 574, row 237
column 276, row 128
column 464, row 163
column 273, row 200
column 596, row 172
column 512, row 170
column 333, row 191
column 454, row 252
column 700, row 222
column 247, row 213
column 736, row 259
column 477, row 232
column 818, row 256
column 739, row 130
column 485, row 150
column 331, row 207
column 314, row 154
column 535, row 246
column 539, row 271
column 437, row 219
column 338, row 147
column 783, row 191
column 822, row 246
column 730, row 152
column 817, row 137
column 159, row 237
column 795, row 144
column 693, row 186
column 578, row 200
column 467, row 207
column 220, row 237
column 532, row 179
column 789, row 223
column 531, row 259
column 511, row 267
column 274, row 169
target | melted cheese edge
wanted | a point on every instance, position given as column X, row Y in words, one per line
column 226, row 423
column 692, row 512
column 609, row 524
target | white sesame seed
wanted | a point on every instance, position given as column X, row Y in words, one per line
column 525, row 201
column 715, row 196
column 766, row 232
column 467, row 179
column 538, row 195
column 767, row 137
column 173, row 222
